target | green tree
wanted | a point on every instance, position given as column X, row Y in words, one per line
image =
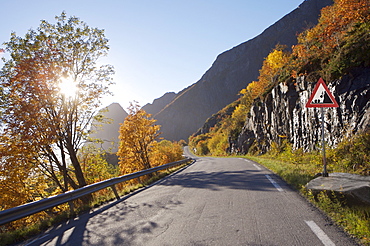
column 94, row 164
column 43, row 124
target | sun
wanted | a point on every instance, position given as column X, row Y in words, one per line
column 68, row 87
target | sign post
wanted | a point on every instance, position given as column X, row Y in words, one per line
column 322, row 98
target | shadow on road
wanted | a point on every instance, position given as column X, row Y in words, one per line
column 246, row 180
column 76, row 231
column 78, row 227
column 87, row 228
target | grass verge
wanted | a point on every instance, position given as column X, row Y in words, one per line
column 354, row 220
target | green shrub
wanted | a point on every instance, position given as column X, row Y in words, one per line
column 352, row 155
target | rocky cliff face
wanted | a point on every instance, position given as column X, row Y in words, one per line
column 282, row 114
column 232, row 71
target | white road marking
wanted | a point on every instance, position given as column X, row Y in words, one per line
column 277, row 186
column 319, row 233
column 256, row 166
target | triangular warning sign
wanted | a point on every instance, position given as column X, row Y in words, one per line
column 321, row 97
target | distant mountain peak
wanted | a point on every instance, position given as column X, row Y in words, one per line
column 109, row 132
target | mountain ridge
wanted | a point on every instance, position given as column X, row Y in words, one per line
column 232, row 71
column 182, row 114
column 159, row 103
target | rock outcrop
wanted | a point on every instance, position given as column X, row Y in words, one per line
column 232, row 71
column 282, row 114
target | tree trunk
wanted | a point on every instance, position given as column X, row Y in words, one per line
column 78, row 172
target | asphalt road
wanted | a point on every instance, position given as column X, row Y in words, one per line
column 215, row 201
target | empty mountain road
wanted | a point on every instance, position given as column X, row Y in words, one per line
column 215, row 201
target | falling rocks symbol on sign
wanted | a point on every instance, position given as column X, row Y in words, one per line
column 321, row 97
column 326, row 98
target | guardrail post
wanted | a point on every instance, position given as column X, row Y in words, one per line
column 71, row 207
column 115, row 192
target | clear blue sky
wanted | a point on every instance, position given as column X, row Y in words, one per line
column 156, row 46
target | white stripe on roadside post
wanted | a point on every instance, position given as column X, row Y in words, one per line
column 319, row 233
column 277, row 186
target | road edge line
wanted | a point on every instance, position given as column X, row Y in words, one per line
column 319, row 233
column 273, row 182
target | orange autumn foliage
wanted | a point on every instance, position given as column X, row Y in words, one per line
column 137, row 136
column 317, row 44
column 271, row 67
column 42, row 129
column 139, row 148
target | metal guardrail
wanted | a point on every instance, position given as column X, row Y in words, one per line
column 25, row 210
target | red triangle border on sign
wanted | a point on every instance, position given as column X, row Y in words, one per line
column 309, row 104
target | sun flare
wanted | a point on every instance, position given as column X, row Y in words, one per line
column 68, row 87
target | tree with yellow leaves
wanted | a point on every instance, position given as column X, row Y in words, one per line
column 269, row 72
column 43, row 124
column 137, row 137
column 164, row 152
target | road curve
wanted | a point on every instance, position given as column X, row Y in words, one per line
column 215, row 201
